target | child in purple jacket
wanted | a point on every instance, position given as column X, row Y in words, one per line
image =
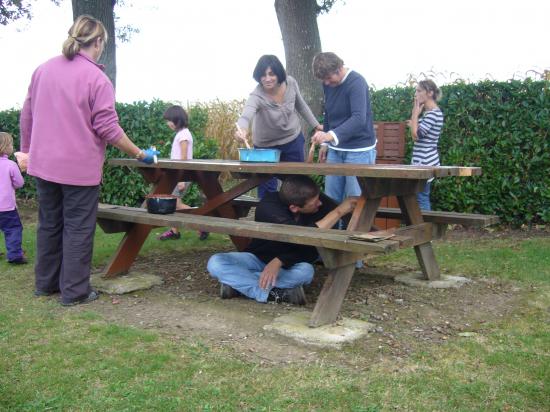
column 10, row 179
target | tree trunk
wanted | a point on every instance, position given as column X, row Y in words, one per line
column 298, row 23
column 103, row 10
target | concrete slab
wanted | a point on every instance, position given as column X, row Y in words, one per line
column 125, row 284
column 446, row 281
column 295, row 326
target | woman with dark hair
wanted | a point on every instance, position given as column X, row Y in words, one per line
column 274, row 106
column 426, row 124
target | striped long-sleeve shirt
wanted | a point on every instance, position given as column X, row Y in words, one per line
column 425, row 148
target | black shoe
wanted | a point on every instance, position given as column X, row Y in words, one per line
column 39, row 293
column 295, row 296
column 90, row 298
column 19, row 261
column 203, row 235
column 227, row 292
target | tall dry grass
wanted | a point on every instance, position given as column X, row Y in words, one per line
column 222, row 117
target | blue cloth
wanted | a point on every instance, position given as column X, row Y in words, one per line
column 149, row 155
column 348, row 113
column 11, row 225
column 290, row 152
column 340, row 187
column 423, row 197
column 242, row 271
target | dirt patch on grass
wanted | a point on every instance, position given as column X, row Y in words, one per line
column 187, row 307
column 407, row 319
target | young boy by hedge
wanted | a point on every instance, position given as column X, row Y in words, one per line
column 10, row 223
column 182, row 149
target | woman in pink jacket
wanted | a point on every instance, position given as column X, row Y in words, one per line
column 66, row 122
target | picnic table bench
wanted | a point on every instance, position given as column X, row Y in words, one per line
column 338, row 249
column 440, row 220
column 110, row 218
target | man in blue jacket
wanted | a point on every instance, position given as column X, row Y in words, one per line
column 348, row 134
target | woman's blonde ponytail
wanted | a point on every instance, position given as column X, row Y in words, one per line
column 84, row 31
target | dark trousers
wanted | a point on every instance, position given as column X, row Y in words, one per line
column 65, row 238
column 11, row 225
column 290, row 152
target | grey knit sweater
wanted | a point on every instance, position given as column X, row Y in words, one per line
column 273, row 123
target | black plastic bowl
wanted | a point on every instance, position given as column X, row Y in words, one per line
column 161, row 204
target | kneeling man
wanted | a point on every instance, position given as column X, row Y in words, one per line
column 270, row 270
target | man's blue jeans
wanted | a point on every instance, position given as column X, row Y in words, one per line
column 340, row 187
column 423, row 197
column 242, row 270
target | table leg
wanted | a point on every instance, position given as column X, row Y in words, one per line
column 210, row 186
column 424, row 253
column 332, row 295
column 336, row 285
column 127, row 251
column 222, row 198
column 133, row 240
column 357, row 214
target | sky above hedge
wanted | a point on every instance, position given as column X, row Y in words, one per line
column 202, row 50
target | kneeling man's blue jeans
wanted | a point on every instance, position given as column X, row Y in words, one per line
column 242, row 270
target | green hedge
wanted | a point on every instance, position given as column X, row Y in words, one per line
column 501, row 126
column 145, row 126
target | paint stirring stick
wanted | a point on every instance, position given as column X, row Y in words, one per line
column 241, row 132
column 311, row 153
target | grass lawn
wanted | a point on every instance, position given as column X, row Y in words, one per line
column 53, row 358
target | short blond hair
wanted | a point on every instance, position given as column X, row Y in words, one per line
column 6, row 144
column 84, row 31
column 326, row 64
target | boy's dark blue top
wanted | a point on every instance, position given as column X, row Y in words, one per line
column 348, row 113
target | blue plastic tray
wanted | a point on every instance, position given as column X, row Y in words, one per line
column 259, row 155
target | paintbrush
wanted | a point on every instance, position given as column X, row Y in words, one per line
column 242, row 134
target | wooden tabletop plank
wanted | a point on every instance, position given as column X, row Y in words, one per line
column 374, row 171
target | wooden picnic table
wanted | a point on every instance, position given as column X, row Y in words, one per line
column 376, row 182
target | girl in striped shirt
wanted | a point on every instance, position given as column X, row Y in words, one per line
column 425, row 132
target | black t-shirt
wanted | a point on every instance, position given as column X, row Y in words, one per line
column 271, row 210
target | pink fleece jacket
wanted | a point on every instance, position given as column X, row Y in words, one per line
column 10, row 179
column 67, row 120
